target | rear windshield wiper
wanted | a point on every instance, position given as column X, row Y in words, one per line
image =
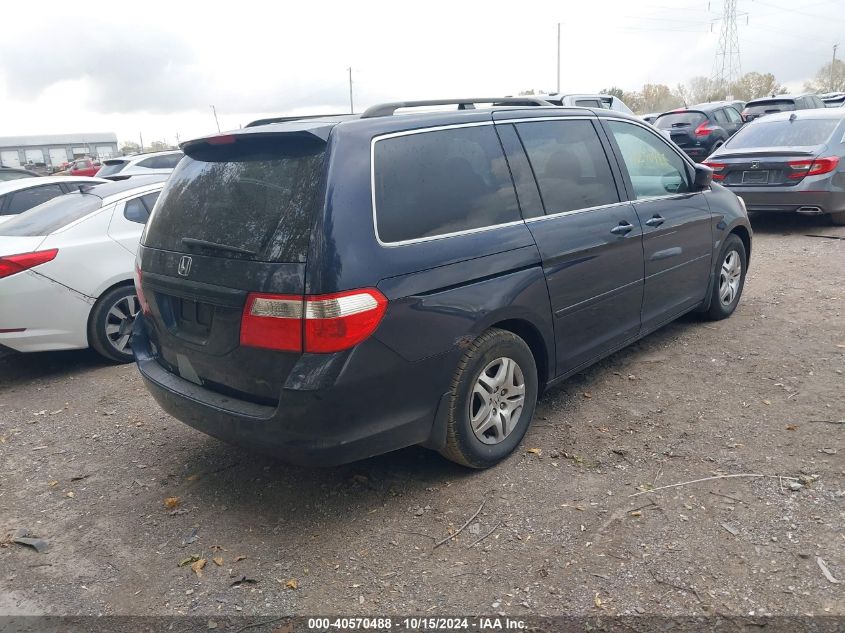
column 195, row 243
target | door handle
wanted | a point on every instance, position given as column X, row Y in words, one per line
column 622, row 229
column 655, row 221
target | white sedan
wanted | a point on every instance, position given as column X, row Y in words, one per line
column 17, row 196
column 66, row 269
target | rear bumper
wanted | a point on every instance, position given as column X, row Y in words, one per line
column 42, row 314
column 811, row 202
column 361, row 413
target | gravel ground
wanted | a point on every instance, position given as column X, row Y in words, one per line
column 88, row 462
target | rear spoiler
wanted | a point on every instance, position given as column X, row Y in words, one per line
column 316, row 132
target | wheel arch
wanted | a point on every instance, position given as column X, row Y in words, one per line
column 745, row 235
column 116, row 284
column 529, row 333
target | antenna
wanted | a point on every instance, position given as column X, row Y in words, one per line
column 726, row 66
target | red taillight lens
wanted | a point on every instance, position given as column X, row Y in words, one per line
column 319, row 324
column 802, row 168
column 703, row 130
column 139, row 290
column 717, row 169
column 11, row 264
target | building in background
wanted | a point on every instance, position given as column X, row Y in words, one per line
column 52, row 150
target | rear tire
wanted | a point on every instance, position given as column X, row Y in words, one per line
column 492, row 400
column 729, row 279
column 838, row 218
column 110, row 324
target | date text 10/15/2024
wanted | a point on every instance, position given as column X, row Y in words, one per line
column 416, row 624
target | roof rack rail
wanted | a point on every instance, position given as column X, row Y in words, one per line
column 282, row 119
column 388, row 109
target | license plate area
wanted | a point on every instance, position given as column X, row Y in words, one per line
column 190, row 319
column 755, row 177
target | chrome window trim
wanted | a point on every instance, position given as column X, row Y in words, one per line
column 427, row 238
column 561, row 214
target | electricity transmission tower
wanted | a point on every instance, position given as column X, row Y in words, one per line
column 726, row 66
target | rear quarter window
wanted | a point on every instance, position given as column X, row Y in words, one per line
column 257, row 196
column 439, row 182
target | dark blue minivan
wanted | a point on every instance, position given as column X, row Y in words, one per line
column 329, row 288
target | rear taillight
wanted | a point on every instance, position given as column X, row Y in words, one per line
column 11, row 264
column 139, row 290
column 703, row 130
column 718, row 169
column 319, row 324
column 803, row 168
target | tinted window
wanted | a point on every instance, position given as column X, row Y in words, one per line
column 679, row 120
column 588, row 103
column 569, row 163
column 770, row 106
column 138, row 209
column 654, row 169
column 112, row 167
column 28, row 198
column 721, row 117
column 434, row 183
column 149, row 163
column 768, row 133
column 733, row 115
column 52, row 215
column 256, row 195
column 13, row 175
column 168, row 162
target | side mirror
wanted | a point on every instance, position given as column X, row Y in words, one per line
column 703, row 177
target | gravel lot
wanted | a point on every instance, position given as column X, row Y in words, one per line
column 88, row 461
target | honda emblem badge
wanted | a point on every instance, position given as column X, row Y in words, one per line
column 755, row 164
column 185, row 266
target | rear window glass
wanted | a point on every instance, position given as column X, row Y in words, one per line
column 435, row 183
column 773, row 105
column 679, row 120
column 52, row 215
column 569, row 163
column 111, row 167
column 781, row 133
column 254, row 198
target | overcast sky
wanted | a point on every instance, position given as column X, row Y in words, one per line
column 156, row 67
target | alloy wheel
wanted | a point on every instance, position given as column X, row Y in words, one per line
column 119, row 322
column 497, row 400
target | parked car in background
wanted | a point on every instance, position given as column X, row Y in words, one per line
column 833, row 99
column 19, row 195
column 788, row 162
column 328, row 289
column 13, row 173
column 121, row 167
column 607, row 102
column 81, row 167
column 66, row 269
column 700, row 129
column 651, row 117
column 756, row 108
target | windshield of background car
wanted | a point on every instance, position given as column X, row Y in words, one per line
column 679, row 120
column 769, row 107
column 111, row 167
column 255, row 195
column 767, row 133
column 51, row 215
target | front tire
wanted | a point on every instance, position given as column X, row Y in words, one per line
column 729, row 279
column 493, row 395
column 110, row 324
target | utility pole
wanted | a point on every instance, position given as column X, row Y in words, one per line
column 832, row 66
column 141, row 138
column 558, row 57
column 351, row 105
column 214, row 110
